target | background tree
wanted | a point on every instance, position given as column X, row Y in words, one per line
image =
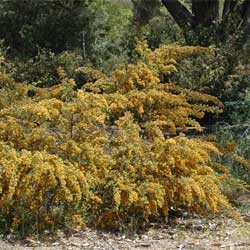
column 210, row 21
column 202, row 22
column 29, row 25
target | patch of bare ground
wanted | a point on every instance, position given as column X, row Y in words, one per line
column 181, row 233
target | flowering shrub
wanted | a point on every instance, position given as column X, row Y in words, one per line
column 38, row 190
column 101, row 155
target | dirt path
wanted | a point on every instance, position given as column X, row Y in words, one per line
column 192, row 233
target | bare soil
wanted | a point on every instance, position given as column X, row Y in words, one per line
column 182, row 233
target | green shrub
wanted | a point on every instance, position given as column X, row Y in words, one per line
column 235, row 138
column 42, row 70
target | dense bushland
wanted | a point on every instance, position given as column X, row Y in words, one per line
column 92, row 131
column 102, row 155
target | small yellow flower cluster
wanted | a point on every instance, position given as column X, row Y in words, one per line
column 242, row 161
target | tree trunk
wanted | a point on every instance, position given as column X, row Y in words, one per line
column 246, row 19
column 206, row 12
column 180, row 13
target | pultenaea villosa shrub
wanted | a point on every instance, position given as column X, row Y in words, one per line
column 101, row 155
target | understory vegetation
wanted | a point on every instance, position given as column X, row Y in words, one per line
column 95, row 123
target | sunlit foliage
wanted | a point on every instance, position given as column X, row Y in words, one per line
column 107, row 154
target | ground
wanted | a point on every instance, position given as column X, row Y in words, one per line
column 182, row 233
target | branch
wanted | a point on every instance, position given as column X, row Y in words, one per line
column 229, row 6
column 180, row 13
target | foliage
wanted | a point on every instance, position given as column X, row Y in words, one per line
column 161, row 29
column 102, row 155
column 42, row 35
column 42, row 70
column 235, row 138
column 39, row 190
column 239, row 110
column 224, row 74
column 234, row 143
column 5, row 64
column 211, row 22
column 53, row 25
column 110, row 31
column 155, row 24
